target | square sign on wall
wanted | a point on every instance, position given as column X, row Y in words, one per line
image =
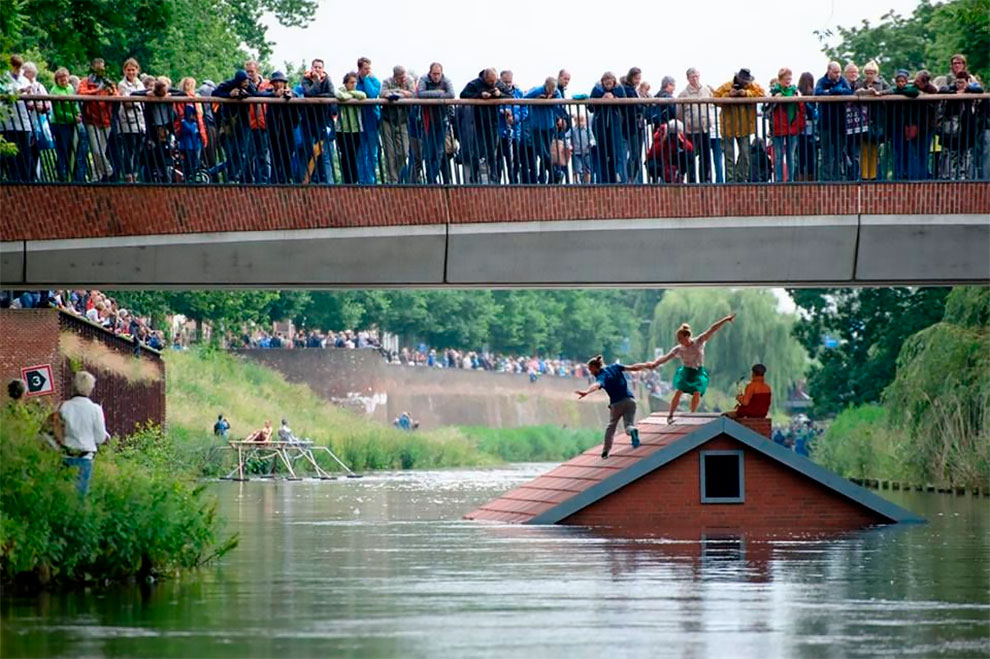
column 39, row 380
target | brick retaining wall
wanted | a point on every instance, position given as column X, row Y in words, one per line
column 31, row 337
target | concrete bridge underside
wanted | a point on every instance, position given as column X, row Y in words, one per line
column 514, row 237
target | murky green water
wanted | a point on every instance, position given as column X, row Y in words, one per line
column 383, row 567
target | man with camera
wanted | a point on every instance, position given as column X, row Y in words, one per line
column 281, row 120
column 96, row 116
column 486, row 86
column 738, row 124
column 236, row 124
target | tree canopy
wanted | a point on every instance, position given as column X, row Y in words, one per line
column 201, row 38
column 926, row 39
column 868, row 327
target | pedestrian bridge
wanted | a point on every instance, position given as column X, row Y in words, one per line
column 813, row 234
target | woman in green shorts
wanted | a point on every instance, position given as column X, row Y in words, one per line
column 691, row 377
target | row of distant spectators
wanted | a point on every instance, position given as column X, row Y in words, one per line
column 421, row 355
column 312, row 338
column 95, row 307
column 205, row 142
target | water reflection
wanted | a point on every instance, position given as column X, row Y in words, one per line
column 384, row 566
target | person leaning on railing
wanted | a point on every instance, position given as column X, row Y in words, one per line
column 831, row 121
column 435, row 85
column 370, row 118
column 257, row 169
column 788, row 124
column 281, row 120
column 694, row 116
column 349, row 129
column 65, row 119
column 235, row 125
column 871, row 85
column 481, row 137
column 606, row 125
column 738, row 124
column 96, row 117
column 19, row 165
column 959, row 128
column 395, row 123
column 131, row 121
column 317, row 165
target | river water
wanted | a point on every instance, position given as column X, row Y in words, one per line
column 385, row 567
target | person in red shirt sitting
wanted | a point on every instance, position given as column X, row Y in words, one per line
column 754, row 401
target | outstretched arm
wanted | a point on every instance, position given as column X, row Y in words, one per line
column 593, row 388
column 642, row 366
column 707, row 334
column 663, row 359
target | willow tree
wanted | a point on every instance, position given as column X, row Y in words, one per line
column 941, row 395
column 759, row 334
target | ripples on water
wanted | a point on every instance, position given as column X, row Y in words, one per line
column 384, row 566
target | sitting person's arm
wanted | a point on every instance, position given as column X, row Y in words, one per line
column 747, row 395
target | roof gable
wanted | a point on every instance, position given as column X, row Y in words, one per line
column 586, row 479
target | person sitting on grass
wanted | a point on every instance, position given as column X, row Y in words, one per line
column 621, row 403
column 754, row 401
column 691, row 377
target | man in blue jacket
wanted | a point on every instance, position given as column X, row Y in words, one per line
column 621, row 404
column 370, row 117
column 510, row 122
column 832, row 121
column 539, row 130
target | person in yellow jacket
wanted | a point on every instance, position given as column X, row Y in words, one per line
column 738, row 123
column 349, row 127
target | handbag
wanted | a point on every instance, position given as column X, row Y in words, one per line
column 53, row 429
column 43, row 133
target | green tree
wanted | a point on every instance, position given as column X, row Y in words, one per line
column 760, row 334
column 924, row 40
column 202, row 38
column 869, row 326
column 941, row 394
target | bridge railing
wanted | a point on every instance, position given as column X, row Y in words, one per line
column 179, row 140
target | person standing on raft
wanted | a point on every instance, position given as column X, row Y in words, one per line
column 621, row 403
column 691, row 376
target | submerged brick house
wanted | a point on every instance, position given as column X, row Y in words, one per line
column 704, row 473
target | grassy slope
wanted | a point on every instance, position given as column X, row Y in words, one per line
column 202, row 384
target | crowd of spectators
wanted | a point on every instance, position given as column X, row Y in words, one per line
column 312, row 338
column 696, row 141
column 95, row 307
column 422, row 355
column 474, row 360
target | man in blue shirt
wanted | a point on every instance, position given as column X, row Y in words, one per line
column 621, row 403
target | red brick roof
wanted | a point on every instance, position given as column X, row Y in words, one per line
column 587, row 478
column 586, row 470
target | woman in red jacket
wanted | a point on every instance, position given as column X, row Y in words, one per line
column 668, row 157
column 788, row 124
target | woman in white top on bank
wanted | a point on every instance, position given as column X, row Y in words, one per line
column 691, row 377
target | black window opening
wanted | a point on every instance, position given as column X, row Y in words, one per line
column 722, row 477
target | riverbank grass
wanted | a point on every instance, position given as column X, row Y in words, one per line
column 203, row 383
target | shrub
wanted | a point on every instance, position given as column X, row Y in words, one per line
column 138, row 518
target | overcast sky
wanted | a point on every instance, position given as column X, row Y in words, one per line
column 536, row 38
